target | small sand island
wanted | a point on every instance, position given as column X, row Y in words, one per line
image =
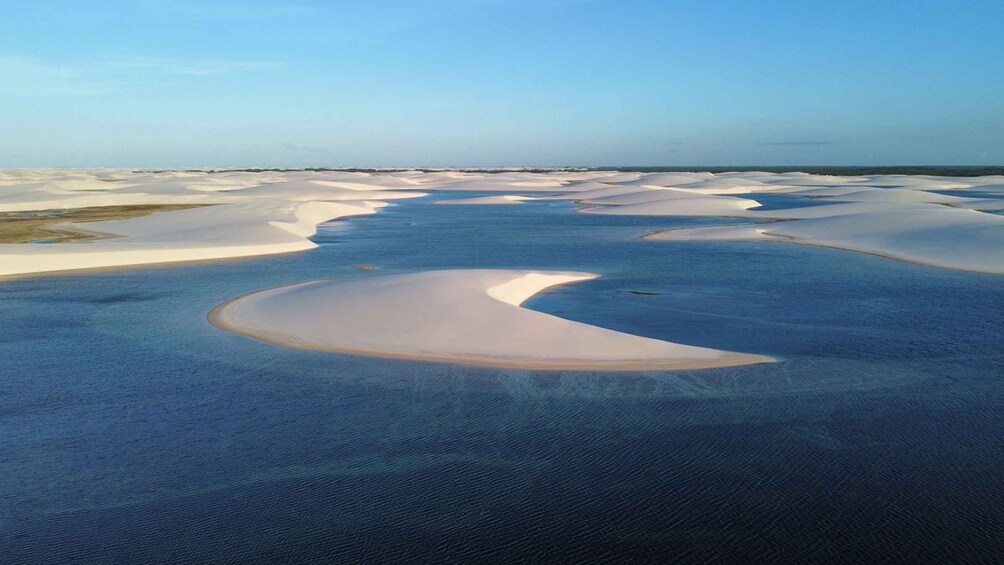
column 457, row 316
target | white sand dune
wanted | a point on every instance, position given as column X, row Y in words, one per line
column 616, row 177
column 919, row 182
column 667, row 179
column 322, row 191
column 821, row 191
column 896, row 216
column 995, row 187
column 460, row 316
column 734, row 185
column 47, row 200
column 643, row 200
column 836, row 209
column 982, row 204
column 898, row 195
column 216, row 232
column 939, row 236
column 602, row 191
column 492, row 200
column 248, row 214
column 696, row 205
column 640, row 197
column 804, row 179
column 933, row 235
column 266, row 212
column 499, row 183
column 586, row 187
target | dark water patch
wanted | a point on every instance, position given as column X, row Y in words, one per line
column 972, row 193
column 769, row 201
column 115, row 298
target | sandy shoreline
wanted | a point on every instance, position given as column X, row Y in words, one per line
column 262, row 213
column 474, row 317
column 727, row 360
column 793, row 241
column 211, row 217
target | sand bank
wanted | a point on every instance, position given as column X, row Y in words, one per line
column 507, row 199
column 242, row 215
column 936, row 236
column 460, row 316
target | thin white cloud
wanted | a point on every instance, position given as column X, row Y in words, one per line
column 28, row 76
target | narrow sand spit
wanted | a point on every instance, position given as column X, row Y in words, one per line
column 459, row 316
column 488, row 200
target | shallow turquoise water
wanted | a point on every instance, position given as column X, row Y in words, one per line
column 133, row 431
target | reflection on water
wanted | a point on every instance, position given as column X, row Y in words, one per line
column 132, row 430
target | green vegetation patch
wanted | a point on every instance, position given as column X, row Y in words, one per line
column 48, row 226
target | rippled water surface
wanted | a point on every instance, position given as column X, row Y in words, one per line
column 133, row 431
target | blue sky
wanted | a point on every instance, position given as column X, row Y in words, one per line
column 188, row 83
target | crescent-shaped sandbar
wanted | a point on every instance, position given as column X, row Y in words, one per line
column 456, row 316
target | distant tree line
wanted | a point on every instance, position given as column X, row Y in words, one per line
column 944, row 171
